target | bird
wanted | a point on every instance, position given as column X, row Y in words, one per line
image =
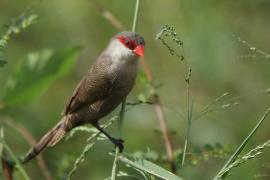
column 104, row 86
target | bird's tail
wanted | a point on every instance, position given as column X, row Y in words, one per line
column 48, row 140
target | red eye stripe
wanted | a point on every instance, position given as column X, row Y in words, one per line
column 126, row 41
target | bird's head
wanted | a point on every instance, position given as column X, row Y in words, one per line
column 125, row 47
column 133, row 42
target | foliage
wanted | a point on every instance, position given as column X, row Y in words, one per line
column 148, row 167
column 36, row 73
column 16, row 27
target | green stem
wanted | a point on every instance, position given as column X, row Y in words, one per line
column 114, row 168
column 135, row 17
column 190, row 111
column 242, row 146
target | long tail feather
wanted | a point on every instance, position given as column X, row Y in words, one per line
column 49, row 139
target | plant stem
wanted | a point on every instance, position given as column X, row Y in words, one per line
column 122, row 114
column 114, row 168
column 189, row 113
column 190, row 110
column 243, row 144
column 253, row 153
column 135, row 17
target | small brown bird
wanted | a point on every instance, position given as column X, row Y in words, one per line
column 103, row 88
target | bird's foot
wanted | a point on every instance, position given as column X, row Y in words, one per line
column 118, row 143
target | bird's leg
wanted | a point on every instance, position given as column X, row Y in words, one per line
column 116, row 142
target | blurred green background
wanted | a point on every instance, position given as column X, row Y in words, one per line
column 219, row 62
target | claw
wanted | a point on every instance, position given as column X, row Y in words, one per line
column 119, row 143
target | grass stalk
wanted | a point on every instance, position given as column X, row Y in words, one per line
column 135, row 17
column 253, row 153
column 190, row 111
column 115, row 162
column 242, row 146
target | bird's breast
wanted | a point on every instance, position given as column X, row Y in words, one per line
column 123, row 71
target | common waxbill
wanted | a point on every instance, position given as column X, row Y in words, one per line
column 105, row 85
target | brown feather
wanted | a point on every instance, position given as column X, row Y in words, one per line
column 93, row 87
column 49, row 139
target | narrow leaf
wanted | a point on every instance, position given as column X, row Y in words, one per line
column 150, row 168
column 241, row 147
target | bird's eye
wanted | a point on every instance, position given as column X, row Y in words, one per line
column 127, row 42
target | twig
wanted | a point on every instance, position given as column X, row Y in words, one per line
column 156, row 100
column 138, row 103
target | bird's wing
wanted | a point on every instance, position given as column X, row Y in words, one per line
column 94, row 87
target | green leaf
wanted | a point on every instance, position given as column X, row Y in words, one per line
column 150, row 168
column 35, row 74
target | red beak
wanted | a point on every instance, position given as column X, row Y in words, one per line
column 139, row 50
